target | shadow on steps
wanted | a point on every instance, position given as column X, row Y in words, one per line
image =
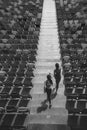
column 44, row 105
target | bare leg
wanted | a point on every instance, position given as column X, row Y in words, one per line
column 57, row 86
column 49, row 97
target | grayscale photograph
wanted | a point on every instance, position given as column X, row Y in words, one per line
column 43, row 65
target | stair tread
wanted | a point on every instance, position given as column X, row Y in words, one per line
column 47, row 119
column 44, row 126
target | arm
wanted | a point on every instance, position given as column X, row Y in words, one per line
column 54, row 73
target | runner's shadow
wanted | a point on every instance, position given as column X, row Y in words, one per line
column 43, row 106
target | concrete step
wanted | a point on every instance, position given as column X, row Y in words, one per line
column 48, row 127
column 48, row 118
column 53, row 51
column 44, row 110
column 44, row 71
column 39, row 78
column 48, row 57
column 40, row 74
column 42, row 65
column 54, row 56
column 40, row 99
column 39, row 88
column 48, row 60
column 49, row 27
column 41, row 96
column 38, row 103
column 49, row 38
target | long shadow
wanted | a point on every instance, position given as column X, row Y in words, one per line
column 43, row 106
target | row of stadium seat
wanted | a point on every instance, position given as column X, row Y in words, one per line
column 72, row 27
column 19, row 33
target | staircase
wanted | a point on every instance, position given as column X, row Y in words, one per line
column 47, row 55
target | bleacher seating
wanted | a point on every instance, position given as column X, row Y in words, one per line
column 19, row 33
column 72, row 26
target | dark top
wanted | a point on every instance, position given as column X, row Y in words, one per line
column 57, row 74
column 48, row 84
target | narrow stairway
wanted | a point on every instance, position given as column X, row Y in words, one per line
column 47, row 55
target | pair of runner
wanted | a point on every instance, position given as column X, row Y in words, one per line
column 49, row 83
